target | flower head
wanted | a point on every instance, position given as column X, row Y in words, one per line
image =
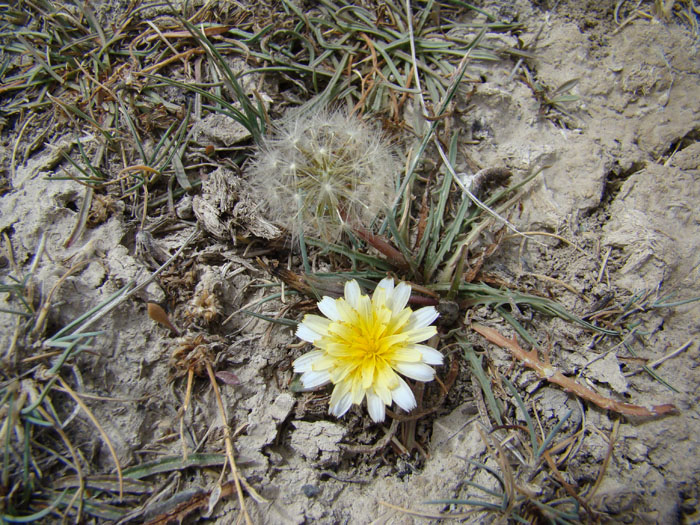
column 321, row 171
column 362, row 343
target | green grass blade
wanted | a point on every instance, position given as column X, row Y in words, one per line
column 552, row 433
column 526, row 414
column 170, row 463
column 475, row 362
column 37, row 515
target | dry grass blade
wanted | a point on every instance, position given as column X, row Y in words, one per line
column 73, row 453
column 611, row 444
column 179, row 510
column 104, row 435
column 546, row 371
column 229, row 444
column 44, row 311
column 428, row 515
column 570, row 489
column 183, row 412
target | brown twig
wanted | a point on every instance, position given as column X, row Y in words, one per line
column 546, row 371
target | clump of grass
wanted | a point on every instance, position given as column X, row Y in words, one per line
column 34, row 434
column 39, row 399
column 511, row 499
column 323, row 173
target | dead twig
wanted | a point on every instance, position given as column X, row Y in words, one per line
column 546, row 371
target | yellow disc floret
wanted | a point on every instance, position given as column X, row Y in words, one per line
column 362, row 343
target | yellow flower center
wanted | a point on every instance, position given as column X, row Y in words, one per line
column 363, row 347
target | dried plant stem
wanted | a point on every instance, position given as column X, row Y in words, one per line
column 674, row 353
column 104, row 435
column 17, row 143
column 429, row 515
column 570, row 489
column 228, row 442
column 604, row 265
column 553, row 235
column 611, row 444
column 188, row 395
column 546, row 371
column 73, row 453
column 44, row 311
column 412, row 41
column 472, row 197
column 556, row 281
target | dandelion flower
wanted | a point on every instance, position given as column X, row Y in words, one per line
column 363, row 344
column 322, row 171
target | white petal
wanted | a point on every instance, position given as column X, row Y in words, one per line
column 418, row 335
column 430, row 355
column 422, row 318
column 303, row 363
column 417, row 371
column 329, row 309
column 306, row 333
column 352, row 293
column 342, row 406
column 316, row 323
column 402, row 293
column 375, row 407
column 403, row 396
column 313, row 379
column 388, row 284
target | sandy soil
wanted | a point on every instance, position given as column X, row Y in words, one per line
column 622, row 187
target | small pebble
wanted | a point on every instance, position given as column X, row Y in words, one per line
column 310, row 490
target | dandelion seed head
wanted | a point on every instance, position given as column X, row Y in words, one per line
column 334, row 171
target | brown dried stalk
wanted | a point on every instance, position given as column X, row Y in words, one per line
column 384, row 246
column 229, row 444
column 546, row 371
